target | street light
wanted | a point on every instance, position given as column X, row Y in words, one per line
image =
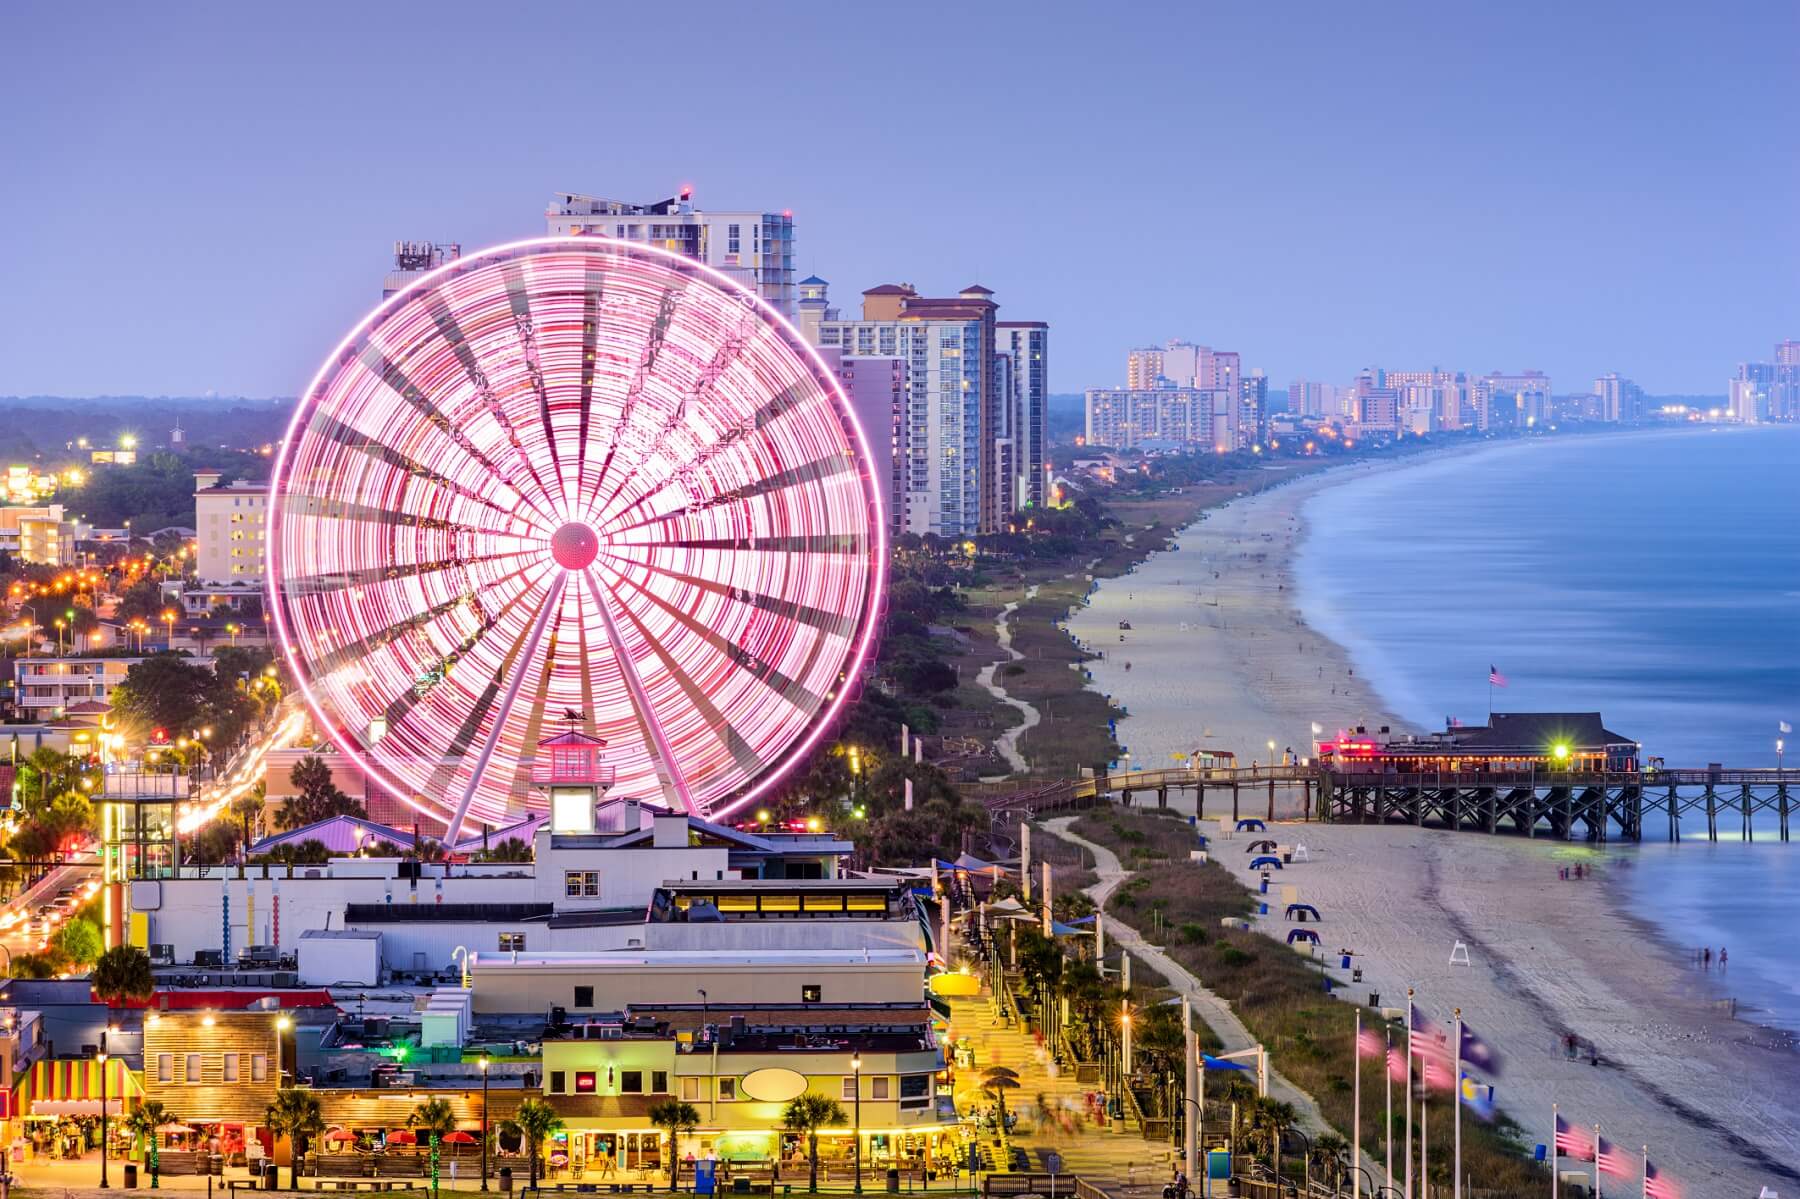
column 856, row 1119
column 103, row 1183
column 483, row 1063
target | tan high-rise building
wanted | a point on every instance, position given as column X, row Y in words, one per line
column 1143, row 369
column 232, row 524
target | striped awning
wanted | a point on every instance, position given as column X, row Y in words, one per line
column 76, row 1080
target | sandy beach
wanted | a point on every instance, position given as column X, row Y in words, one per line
column 1217, row 657
column 1713, row 1097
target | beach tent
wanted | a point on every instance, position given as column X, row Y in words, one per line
column 1081, row 921
column 1059, row 929
column 969, row 861
column 1210, row 1062
column 1249, row 825
column 1005, row 907
column 1265, row 861
column 1260, row 847
column 1302, row 912
column 1302, row 934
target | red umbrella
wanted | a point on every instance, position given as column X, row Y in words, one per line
column 459, row 1137
column 340, row 1135
column 401, row 1136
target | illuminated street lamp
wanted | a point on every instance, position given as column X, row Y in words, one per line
column 169, row 620
column 856, row 1120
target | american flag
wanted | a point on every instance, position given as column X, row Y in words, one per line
column 1574, row 1141
column 1437, row 1074
column 1611, row 1160
column 1369, row 1043
column 1396, row 1062
column 1655, row 1185
column 1427, row 1039
column 1495, row 678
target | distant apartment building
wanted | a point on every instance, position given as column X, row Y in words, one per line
column 1253, row 415
column 1143, row 369
column 876, row 389
column 1126, row 418
column 970, row 422
column 1025, row 348
column 1621, row 400
column 38, row 533
column 232, row 524
column 1311, row 399
column 50, row 688
column 755, row 248
column 414, row 260
column 1513, row 401
column 1768, row 391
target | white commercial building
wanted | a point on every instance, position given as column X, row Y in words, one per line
column 756, row 248
column 1025, row 347
column 50, row 687
column 1127, row 418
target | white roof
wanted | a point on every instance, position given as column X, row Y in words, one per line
column 682, row 959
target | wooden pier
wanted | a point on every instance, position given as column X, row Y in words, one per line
column 1559, row 804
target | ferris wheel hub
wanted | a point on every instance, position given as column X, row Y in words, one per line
column 574, row 546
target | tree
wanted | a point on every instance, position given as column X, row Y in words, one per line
column 809, row 1113
column 211, row 846
column 437, row 1119
column 534, row 1121
column 142, row 1124
column 295, row 1114
column 143, row 600
column 310, row 852
column 123, row 975
column 166, row 691
column 248, row 806
column 997, row 1081
column 513, row 849
column 678, row 1118
column 79, row 942
column 319, row 798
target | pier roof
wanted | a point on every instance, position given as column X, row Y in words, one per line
column 1519, row 730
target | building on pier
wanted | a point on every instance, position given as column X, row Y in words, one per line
column 1510, row 742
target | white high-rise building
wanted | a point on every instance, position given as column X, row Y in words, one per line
column 1124, row 418
column 1025, row 345
column 756, row 248
column 415, row 259
column 1621, row 400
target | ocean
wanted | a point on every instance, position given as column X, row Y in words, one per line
column 1653, row 577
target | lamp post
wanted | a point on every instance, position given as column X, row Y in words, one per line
column 483, row 1062
column 103, row 1183
column 282, row 1024
column 856, row 1118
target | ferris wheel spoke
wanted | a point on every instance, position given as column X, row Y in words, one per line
column 668, row 773
column 518, row 298
column 807, row 474
column 397, row 381
column 833, row 623
column 513, row 672
column 628, row 408
column 343, row 580
column 350, row 438
column 450, row 331
column 591, row 295
column 767, row 673
column 327, row 508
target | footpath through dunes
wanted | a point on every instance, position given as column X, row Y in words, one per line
column 1052, row 1110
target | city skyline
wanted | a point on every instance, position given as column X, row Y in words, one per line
column 234, row 205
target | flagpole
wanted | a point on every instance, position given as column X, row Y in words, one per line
column 1387, row 1127
column 1356, row 1092
column 1646, row 1172
column 1424, row 1145
column 1409, row 1090
column 1596, row 1161
column 1555, row 1128
column 1456, row 1102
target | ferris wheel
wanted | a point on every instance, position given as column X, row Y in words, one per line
column 580, row 476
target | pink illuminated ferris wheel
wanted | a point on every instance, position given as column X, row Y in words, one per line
column 574, row 475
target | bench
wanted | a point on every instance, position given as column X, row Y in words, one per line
column 364, row 1184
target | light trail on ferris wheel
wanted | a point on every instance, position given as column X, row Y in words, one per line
column 574, row 475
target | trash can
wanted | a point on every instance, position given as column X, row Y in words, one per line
column 740, row 1185
column 269, row 1175
column 893, row 1182
column 506, row 1178
column 131, row 1176
column 1375, row 1000
column 216, row 1164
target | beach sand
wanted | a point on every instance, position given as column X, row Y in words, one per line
column 1216, row 657
column 1219, row 658
column 1713, row 1097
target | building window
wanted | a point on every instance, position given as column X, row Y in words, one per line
column 259, row 1068
column 849, row 1087
column 231, row 1067
column 915, row 1090
column 631, row 1082
column 581, row 884
column 728, row 1088
column 690, row 1089
column 812, row 993
column 659, row 1082
column 878, row 1088
column 193, row 1068
column 556, row 1082
column 165, row 1067
column 512, row 942
column 732, row 239
column 584, row 997
column 584, row 1082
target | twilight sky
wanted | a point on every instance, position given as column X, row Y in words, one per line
column 203, row 198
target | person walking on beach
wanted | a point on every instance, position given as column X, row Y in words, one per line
column 1721, row 957
column 1706, row 958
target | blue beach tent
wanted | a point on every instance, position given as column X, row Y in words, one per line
column 1250, row 824
column 1302, row 934
column 1267, row 860
column 1301, row 911
column 1264, row 846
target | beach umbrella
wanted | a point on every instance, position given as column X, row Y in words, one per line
column 402, row 1136
column 459, row 1137
column 340, row 1136
column 174, row 1130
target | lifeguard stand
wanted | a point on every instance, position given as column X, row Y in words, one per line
column 571, row 766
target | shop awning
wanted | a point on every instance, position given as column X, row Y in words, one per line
column 76, row 1107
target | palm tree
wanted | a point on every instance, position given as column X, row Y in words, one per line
column 437, row 1119
column 144, row 1122
column 1273, row 1117
column 809, row 1113
column 996, row 1081
column 678, row 1118
column 295, row 1114
column 248, row 807
column 532, row 1123
column 122, row 974
column 1330, row 1154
